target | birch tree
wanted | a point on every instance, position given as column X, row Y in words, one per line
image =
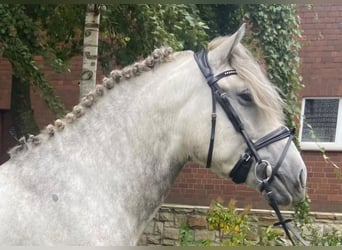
column 90, row 49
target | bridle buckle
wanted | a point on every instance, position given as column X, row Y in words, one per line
column 246, row 157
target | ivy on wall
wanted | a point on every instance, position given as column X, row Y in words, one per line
column 276, row 29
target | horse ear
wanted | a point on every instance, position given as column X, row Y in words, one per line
column 239, row 34
column 225, row 48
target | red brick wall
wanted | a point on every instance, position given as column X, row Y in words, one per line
column 321, row 57
column 5, row 85
column 5, row 105
column 321, row 52
column 197, row 185
column 66, row 86
column 321, row 63
column 324, row 187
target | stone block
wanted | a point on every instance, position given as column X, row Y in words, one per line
column 166, row 216
column 165, row 209
column 184, row 210
column 150, row 228
column 153, row 239
column 197, row 222
column 265, row 221
column 169, row 224
column 325, row 217
column 167, row 242
column 158, row 227
column 171, row 233
column 204, row 235
column 180, row 219
column 201, row 211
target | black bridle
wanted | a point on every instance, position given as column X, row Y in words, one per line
column 242, row 167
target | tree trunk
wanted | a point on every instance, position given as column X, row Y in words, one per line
column 22, row 114
column 90, row 54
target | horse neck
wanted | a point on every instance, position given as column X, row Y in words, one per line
column 130, row 142
column 146, row 112
column 146, row 127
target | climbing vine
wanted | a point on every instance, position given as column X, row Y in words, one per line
column 276, row 29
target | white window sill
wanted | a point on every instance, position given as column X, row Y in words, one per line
column 312, row 146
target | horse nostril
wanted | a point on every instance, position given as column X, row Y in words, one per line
column 302, row 178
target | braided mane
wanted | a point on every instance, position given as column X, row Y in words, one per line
column 157, row 57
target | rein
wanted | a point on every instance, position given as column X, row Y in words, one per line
column 242, row 167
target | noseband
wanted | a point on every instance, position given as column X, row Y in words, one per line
column 241, row 169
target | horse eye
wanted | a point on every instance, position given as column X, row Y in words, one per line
column 246, row 96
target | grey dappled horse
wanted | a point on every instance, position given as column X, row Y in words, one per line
column 97, row 176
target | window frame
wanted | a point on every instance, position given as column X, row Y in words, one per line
column 318, row 146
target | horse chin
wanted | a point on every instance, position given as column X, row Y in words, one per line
column 284, row 197
column 283, row 200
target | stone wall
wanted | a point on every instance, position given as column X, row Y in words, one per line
column 166, row 225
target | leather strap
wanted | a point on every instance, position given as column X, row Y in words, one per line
column 212, row 133
column 202, row 62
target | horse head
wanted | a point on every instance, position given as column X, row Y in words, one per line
column 249, row 141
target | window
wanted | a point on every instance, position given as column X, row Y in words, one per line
column 321, row 124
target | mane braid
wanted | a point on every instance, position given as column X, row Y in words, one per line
column 157, row 57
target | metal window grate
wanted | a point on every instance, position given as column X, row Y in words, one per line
column 321, row 116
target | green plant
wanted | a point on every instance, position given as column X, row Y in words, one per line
column 186, row 238
column 270, row 237
column 332, row 238
column 301, row 214
column 306, row 225
column 231, row 225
